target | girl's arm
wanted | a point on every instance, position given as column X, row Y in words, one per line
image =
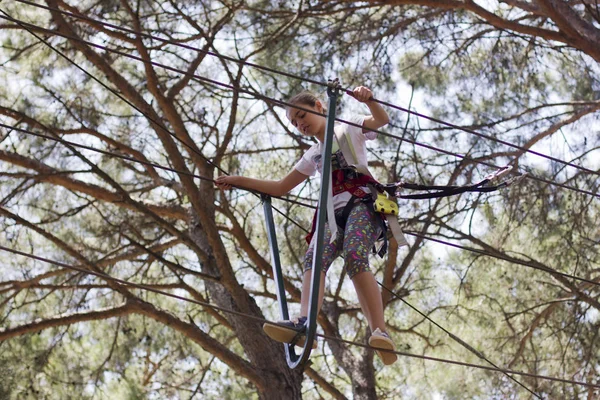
column 272, row 188
column 378, row 117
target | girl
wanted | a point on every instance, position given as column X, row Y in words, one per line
column 362, row 226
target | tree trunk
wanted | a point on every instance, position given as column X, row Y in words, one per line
column 264, row 353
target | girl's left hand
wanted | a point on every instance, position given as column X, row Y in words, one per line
column 362, row 94
column 225, row 182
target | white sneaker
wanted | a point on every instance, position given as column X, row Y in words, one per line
column 381, row 340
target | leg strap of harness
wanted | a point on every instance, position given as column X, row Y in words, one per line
column 392, row 221
column 346, row 212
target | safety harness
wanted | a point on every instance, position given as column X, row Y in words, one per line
column 381, row 198
column 358, row 181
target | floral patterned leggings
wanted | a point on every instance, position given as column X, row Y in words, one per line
column 353, row 244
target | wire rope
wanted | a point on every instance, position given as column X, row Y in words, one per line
column 348, row 92
column 525, row 263
column 147, row 163
column 263, row 320
column 456, row 338
column 24, row 25
column 315, row 82
column 269, row 100
column 471, row 249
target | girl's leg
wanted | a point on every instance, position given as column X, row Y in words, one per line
column 370, row 299
column 330, row 252
column 362, row 230
column 306, row 292
column 287, row 331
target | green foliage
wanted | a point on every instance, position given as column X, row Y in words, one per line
column 521, row 89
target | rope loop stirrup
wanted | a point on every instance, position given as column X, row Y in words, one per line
column 324, row 212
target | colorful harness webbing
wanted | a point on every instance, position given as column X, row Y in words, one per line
column 353, row 178
column 341, row 184
column 387, row 213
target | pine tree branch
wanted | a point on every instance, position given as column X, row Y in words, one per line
column 66, row 320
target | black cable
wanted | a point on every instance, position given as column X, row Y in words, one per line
column 460, row 341
column 381, row 102
column 524, row 263
column 263, row 320
column 113, row 91
column 24, row 25
column 281, row 103
column 155, row 165
column 467, row 130
column 281, row 213
column 456, row 338
column 482, row 252
column 323, row 84
column 168, row 41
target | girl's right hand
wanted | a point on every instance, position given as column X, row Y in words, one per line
column 362, row 94
column 225, row 182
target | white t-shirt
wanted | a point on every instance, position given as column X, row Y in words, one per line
column 310, row 162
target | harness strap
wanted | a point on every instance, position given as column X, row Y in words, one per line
column 366, row 179
column 331, row 212
column 346, row 212
column 393, row 189
column 339, row 222
column 394, row 226
column 343, row 219
column 353, row 185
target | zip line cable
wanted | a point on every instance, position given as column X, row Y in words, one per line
column 266, row 99
column 457, row 339
column 323, row 84
column 524, row 263
column 124, row 157
column 348, row 92
column 315, row 82
column 460, row 341
column 113, row 91
column 24, row 25
column 454, row 337
column 225, row 85
column 132, row 159
column 219, row 83
column 173, row 42
column 451, row 335
column 263, row 320
column 416, row 234
column 488, row 137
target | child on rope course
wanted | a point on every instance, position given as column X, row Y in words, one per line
column 358, row 225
